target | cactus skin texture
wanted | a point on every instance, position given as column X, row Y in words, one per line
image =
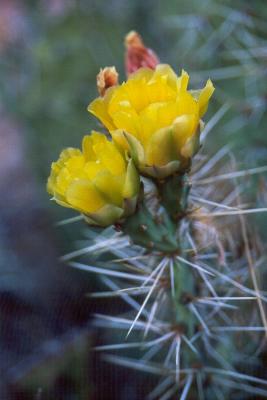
column 193, row 317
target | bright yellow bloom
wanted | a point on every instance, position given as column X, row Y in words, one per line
column 97, row 181
column 155, row 117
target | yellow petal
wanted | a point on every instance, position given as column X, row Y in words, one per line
column 104, row 155
column 127, row 121
column 87, row 148
column 120, row 140
column 110, row 157
column 110, row 187
column 99, row 108
column 143, row 74
column 159, row 91
column 155, row 117
column 57, row 167
column 132, row 181
column 164, row 70
column 183, row 128
column 105, row 216
column 136, row 149
column 66, row 176
column 138, row 92
column 160, row 149
column 187, row 104
column 75, row 163
column 92, row 168
column 205, row 95
column 82, row 195
column 68, row 153
column 191, row 146
column 161, row 172
column 182, row 81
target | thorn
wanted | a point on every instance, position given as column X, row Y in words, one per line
column 186, row 298
column 164, row 238
column 164, row 283
column 158, row 219
column 131, row 242
column 197, row 365
column 118, row 227
column 180, row 329
column 143, row 228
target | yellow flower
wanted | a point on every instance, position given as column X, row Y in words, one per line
column 97, row 181
column 155, row 117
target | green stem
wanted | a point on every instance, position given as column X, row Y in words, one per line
column 151, row 231
column 184, row 293
column 173, row 192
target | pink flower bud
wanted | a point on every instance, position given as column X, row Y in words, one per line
column 137, row 54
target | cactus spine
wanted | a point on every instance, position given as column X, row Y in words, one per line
column 198, row 311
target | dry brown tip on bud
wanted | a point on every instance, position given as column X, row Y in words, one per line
column 106, row 78
column 133, row 39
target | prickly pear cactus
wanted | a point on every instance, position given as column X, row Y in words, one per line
column 172, row 240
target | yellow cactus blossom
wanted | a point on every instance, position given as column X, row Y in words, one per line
column 97, row 181
column 155, row 117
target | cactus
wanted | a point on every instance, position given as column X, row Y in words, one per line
column 189, row 275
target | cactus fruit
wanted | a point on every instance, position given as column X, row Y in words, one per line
column 189, row 275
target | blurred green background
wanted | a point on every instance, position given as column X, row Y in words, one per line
column 50, row 53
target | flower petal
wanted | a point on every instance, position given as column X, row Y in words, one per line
column 83, row 195
column 160, row 148
column 132, row 181
column 161, row 172
column 136, row 149
column 182, row 81
column 120, row 139
column 110, row 187
column 183, row 128
column 205, row 95
column 99, row 108
column 105, row 216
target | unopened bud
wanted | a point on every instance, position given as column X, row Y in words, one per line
column 137, row 54
column 106, row 78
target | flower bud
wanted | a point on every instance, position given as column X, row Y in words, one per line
column 137, row 55
column 106, row 78
column 96, row 181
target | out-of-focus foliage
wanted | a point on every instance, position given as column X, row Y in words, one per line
column 60, row 372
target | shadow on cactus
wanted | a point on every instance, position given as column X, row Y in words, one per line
column 173, row 242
